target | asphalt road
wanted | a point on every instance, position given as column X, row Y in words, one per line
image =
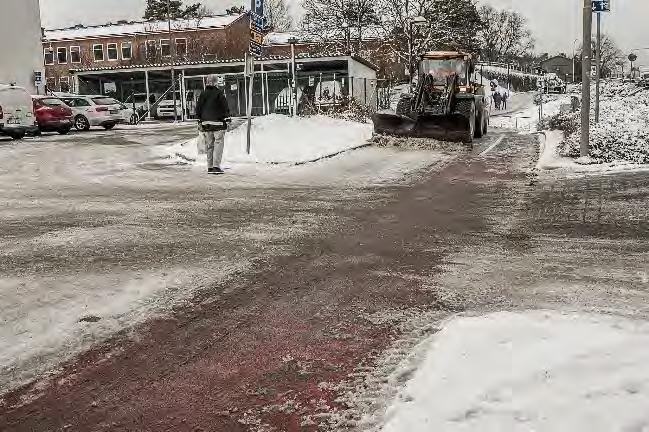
column 282, row 302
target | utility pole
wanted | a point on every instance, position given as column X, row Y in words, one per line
column 172, row 48
column 598, row 59
column 585, row 77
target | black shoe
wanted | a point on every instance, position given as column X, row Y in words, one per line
column 215, row 171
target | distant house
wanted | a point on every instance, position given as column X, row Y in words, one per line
column 560, row 65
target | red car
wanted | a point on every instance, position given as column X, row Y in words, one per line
column 52, row 114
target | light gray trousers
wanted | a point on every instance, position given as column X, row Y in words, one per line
column 214, row 142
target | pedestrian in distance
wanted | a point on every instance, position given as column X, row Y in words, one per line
column 213, row 116
column 505, row 97
column 498, row 99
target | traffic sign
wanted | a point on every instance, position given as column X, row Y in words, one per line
column 601, row 6
column 255, row 48
column 258, row 22
column 257, row 8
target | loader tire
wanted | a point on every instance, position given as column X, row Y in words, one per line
column 466, row 108
column 404, row 105
column 481, row 124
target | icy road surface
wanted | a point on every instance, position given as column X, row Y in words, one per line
column 98, row 232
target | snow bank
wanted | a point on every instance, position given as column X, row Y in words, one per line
column 622, row 134
column 542, row 371
column 278, row 139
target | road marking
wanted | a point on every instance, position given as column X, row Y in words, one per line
column 492, row 146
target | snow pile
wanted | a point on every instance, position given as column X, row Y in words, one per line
column 278, row 139
column 622, row 134
column 528, row 371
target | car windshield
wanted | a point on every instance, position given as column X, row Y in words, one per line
column 441, row 70
column 52, row 102
column 105, row 101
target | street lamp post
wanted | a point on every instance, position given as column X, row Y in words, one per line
column 585, row 77
column 412, row 22
column 172, row 49
column 293, row 41
column 347, row 30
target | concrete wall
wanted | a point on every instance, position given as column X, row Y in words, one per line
column 21, row 51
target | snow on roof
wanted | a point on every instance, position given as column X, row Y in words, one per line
column 139, row 27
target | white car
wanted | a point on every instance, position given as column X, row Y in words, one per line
column 96, row 110
column 16, row 112
column 165, row 108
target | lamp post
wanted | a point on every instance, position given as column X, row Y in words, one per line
column 417, row 21
column 293, row 41
column 172, row 49
column 347, row 30
column 574, row 54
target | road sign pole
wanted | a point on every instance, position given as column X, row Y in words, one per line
column 585, row 77
column 598, row 59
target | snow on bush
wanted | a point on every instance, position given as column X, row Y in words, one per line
column 519, row 81
column 622, row 134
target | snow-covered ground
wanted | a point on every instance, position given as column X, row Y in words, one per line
column 279, row 139
column 532, row 371
column 526, row 117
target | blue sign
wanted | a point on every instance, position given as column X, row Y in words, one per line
column 601, row 6
column 255, row 49
column 257, row 8
column 258, row 23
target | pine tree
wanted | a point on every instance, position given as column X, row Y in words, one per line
column 157, row 10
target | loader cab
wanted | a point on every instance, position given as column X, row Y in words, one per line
column 439, row 66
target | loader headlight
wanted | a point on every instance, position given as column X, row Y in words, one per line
column 464, row 89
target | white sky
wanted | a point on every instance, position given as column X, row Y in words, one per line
column 555, row 23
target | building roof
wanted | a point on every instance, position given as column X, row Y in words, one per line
column 139, row 27
column 225, row 61
column 559, row 56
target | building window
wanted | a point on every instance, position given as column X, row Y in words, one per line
column 98, row 52
column 62, row 55
column 48, row 53
column 64, row 84
column 181, row 47
column 111, row 52
column 127, row 50
column 151, row 50
column 75, row 54
column 165, row 48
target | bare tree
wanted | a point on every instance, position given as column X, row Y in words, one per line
column 339, row 21
column 504, row 35
column 278, row 15
column 446, row 25
column 610, row 56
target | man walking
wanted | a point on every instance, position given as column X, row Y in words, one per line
column 213, row 112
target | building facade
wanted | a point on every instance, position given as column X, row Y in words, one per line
column 129, row 44
column 21, row 58
column 560, row 65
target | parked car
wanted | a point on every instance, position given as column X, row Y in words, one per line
column 140, row 105
column 16, row 112
column 52, row 114
column 96, row 110
column 329, row 93
column 165, row 108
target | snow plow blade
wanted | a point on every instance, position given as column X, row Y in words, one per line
column 444, row 128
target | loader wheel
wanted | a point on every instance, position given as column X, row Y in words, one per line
column 481, row 125
column 404, row 105
column 466, row 108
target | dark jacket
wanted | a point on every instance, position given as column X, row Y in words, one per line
column 212, row 105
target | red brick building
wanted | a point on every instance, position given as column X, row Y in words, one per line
column 131, row 60
column 128, row 44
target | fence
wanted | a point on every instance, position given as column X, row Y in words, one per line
column 274, row 93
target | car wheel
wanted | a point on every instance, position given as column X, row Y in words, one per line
column 64, row 131
column 81, row 123
column 17, row 135
column 109, row 126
